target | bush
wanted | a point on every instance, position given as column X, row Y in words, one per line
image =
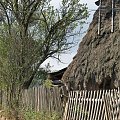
column 48, row 83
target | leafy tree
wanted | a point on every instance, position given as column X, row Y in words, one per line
column 41, row 76
column 32, row 31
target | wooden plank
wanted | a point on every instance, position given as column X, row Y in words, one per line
column 69, row 106
column 87, row 103
column 110, row 95
column 44, row 99
column 76, row 105
column 38, row 100
column 90, row 103
column 65, row 113
column 84, row 103
column 112, row 18
column 101, row 104
column 118, row 103
column 59, row 100
column 92, row 106
column 106, row 105
column 98, row 105
column 115, row 103
column 102, row 112
column 81, row 103
column 72, row 102
column 95, row 106
column 99, row 18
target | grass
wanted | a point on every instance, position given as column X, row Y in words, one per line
column 43, row 115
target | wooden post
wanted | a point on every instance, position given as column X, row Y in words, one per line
column 99, row 17
column 112, row 21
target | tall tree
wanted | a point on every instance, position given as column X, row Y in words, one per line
column 32, row 31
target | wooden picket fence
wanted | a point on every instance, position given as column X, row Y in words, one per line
column 38, row 99
column 92, row 105
column 42, row 99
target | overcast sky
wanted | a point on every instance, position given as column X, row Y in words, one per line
column 67, row 58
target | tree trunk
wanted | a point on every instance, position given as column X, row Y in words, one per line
column 13, row 101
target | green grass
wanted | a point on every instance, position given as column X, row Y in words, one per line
column 43, row 115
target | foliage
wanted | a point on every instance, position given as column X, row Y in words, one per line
column 41, row 76
column 32, row 31
column 48, row 83
column 44, row 115
column 35, row 31
column 29, row 114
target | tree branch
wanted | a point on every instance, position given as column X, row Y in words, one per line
column 33, row 9
column 28, row 82
column 45, row 20
column 16, row 5
column 5, row 11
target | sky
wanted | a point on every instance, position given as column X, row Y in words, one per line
column 68, row 57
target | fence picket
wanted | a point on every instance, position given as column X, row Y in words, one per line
column 73, row 106
column 81, row 104
column 92, row 105
column 78, row 105
column 86, row 107
column 97, row 110
column 96, row 101
column 89, row 109
column 70, row 106
column 84, row 103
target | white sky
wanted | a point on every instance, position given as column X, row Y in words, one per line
column 67, row 58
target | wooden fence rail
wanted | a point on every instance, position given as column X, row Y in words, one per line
column 38, row 99
column 92, row 105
